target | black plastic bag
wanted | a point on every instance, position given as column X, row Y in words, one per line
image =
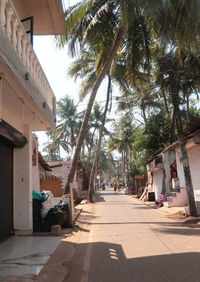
column 55, row 216
column 36, row 215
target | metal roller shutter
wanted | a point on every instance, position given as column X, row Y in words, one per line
column 6, row 188
column 194, row 160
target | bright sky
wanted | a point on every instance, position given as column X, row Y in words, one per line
column 55, row 63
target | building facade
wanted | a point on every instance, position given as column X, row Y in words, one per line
column 27, row 104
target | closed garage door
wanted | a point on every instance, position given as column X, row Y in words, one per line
column 194, row 160
column 6, row 188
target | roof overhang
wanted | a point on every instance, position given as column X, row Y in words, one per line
column 9, row 132
column 48, row 15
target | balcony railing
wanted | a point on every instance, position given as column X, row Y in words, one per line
column 14, row 30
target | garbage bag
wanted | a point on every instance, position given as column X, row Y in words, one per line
column 47, row 205
column 43, row 197
column 36, row 215
column 55, row 216
column 65, row 207
column 36, row 195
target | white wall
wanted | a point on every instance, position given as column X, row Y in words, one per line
column 167, row 171
column 23, row 221
column 194, row 161
column 180, row 171
column 35, row 179
column 157, row 182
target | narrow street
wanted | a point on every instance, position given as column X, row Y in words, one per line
column 119, row 239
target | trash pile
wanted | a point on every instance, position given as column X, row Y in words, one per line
column 49, row 211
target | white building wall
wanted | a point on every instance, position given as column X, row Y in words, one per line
column 180, row 171
column 157, row 182
column 167, row 171
column 193, row 151
column 35, row 179
column 194, row 161
column 23, row 221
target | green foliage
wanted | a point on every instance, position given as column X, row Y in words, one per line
column 138, row 165
column 157, row 132
column 66, row 132
column 161, row 37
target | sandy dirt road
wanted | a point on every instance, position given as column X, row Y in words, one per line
column 120, row 240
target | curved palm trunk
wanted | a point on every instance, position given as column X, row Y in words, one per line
column 165, row 99
column 173, row 129
column 144, row 115
column 92, row 143
column 94, row 166
column 84, row 125
column 174, row 87
column 124, row 167
column 188, row 109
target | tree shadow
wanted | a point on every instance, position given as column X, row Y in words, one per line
column 144, row 207
column 163, row 224
column 189, row 231
column 99, row 199
column 111, row 265
column 107, row 262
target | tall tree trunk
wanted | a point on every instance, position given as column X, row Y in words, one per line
column 144, row 115
column 94, row 166
column 173, row 127
column 92, row 144
column 84, row 125
column 124, row 167
column 83, row 151
column 188, row 109
column 165, row 99
column 174, row 88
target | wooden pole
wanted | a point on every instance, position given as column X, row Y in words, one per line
column 72, row 204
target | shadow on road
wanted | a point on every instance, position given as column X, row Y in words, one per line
column 188, row 231
column 109, row 263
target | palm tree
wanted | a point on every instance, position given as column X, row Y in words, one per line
column 139, row 98
column 67, row 129
column 97, row 23
column 173, row 73
column 103, row 24
column 94, row 123
column 177, row 25
column 98, row 147
column 121, row 141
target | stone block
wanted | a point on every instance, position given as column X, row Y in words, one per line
column 56, row 229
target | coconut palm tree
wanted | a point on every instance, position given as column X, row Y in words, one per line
column 98, row 147
column 122, row 140
column 177, row 25
column 68, row 127
column 108, row 25
column 173, row 72
column 113, row 24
